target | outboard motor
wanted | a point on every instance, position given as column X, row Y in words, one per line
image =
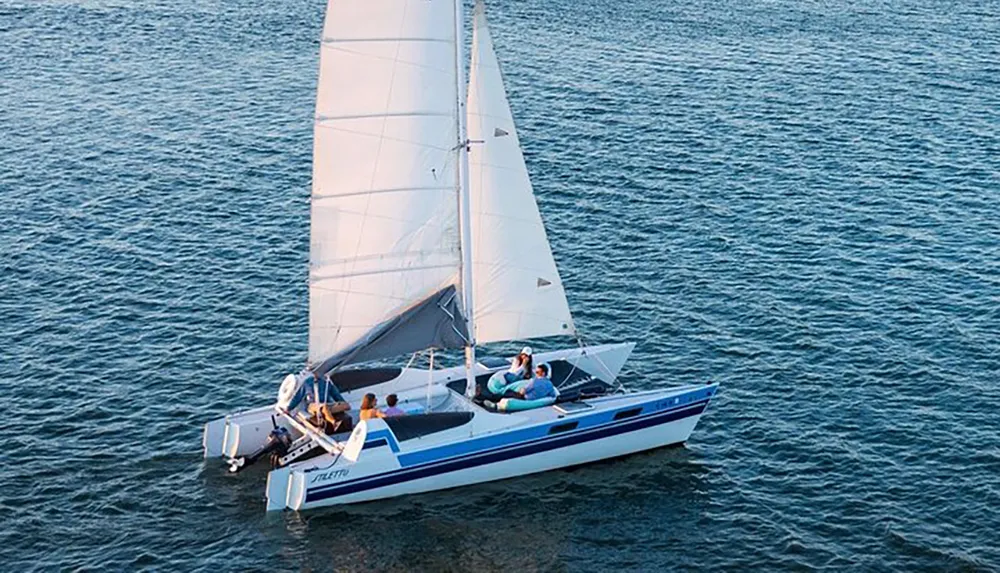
column 276, row 446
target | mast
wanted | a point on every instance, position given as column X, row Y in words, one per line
column 464, row 201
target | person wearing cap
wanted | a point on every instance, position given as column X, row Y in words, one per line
column 520, row 370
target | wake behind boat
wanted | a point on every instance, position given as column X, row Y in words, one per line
column 426, row 235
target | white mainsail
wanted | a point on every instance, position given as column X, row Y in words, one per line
column 518, row 292
column 385, row 223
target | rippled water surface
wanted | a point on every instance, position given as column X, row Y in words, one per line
column 799, row 199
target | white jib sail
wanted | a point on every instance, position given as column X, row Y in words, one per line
column 518, row 292
column 384, row 198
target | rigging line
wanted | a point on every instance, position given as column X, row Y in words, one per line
column 597, row 357
column 386, row 39
column 412, row 358
column 417, row 113
column 404, row 255
column 579, row 342
column 331, row 464
column 430, row 378
column 568, row 376
column 397, row 299
column 380, row 191
column 367, row 273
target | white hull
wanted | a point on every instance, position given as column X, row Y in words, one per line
column 376, row 463
column 601, row 449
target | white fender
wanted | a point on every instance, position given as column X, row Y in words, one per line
column 289, row 386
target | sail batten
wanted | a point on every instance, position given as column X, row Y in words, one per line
column 325, row 119
column 394, row 190
column 321, row 277
column 518, row 291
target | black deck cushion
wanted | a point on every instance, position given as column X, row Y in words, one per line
column 417, row 425
column 348, row 380
column 459, row 385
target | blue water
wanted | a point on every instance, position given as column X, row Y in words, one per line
column 799, row 199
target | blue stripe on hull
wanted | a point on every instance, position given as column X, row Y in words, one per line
column 530, row 434
column 504, row 454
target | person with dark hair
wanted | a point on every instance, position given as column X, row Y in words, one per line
column 368, row 409
column 520, row 370
column 391, row 400
column 331, row 418
column 328, row 408
column 520, row 366
column 540, row 387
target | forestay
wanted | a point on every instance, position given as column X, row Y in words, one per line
column 518, row 292
column 384, row 200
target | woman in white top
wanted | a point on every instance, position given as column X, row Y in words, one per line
column 520, row 370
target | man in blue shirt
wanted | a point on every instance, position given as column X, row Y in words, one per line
column 540, row 386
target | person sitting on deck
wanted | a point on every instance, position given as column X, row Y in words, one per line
column 329, row 409
column 540, row 387
column 520, row 370
column 534, row 393
column 368, row 409
column 391, row 400
column 331, row 418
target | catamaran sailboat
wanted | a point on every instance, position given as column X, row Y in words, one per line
column 425, row 235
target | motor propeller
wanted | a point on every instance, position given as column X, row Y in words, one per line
column 276, row 446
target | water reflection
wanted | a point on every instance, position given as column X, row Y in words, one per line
column 528, row 523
